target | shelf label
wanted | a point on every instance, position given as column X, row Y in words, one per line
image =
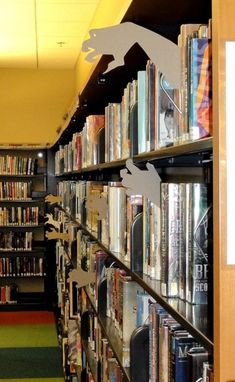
column 230, row 152
column 142, row 182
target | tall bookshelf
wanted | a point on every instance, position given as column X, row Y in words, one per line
column 23, row 251
column 218, row 335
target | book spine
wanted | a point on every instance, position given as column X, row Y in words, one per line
column 170, row 239
column 151, row 106
column 154, row 241
column 182, row 241
column 200, row 113
column 185, row 31
column 200, row 266
column 146, row 236
column 129, row 302
column 142, row 114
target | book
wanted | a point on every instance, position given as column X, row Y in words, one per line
column 151, row 138
column 196, row 357
column 186, row 31
column 168, row 113
column 198, row 251
column 180, row 347
column 142, row 313
column 164, row 325
column 142, row 111
column 155, row 312
column 200, row 112
column 170, row 239
column 128, row 302
column 117, row 218
column 134, row 205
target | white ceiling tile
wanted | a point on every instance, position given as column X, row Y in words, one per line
column 66, row 29
column 65, row 11
column 59, row 60
column 30, row 30
column 17, row 17
column 53, row 43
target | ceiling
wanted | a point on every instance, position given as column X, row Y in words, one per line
column 43, row 34
column 42, row 69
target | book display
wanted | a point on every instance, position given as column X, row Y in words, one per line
column 23, row 264
column 144, row 231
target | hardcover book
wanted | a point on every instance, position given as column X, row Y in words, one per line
column 196, row 358
column 128, row 303
column 198, row 251
column 169, row 239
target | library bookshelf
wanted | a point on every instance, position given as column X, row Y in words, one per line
column 22, row 250
column 203, row 160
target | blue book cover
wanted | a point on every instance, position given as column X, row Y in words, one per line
column 181, row 345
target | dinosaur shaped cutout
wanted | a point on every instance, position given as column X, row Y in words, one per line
column 56, row 224
column 98, row 203
column 81, row 277
column 53, row 234
column 53, row 199
column 141, row 182
column 118, row 39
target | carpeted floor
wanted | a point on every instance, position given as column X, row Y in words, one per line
column 29, row 350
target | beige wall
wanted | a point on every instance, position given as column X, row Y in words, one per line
column 33, row 102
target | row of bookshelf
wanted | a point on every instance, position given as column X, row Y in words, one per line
column 20, row 215
column 172, row 351
column 94, row 291
column 21, row 266
column 16, row 241
column 15, row 190
column 8, row 294
column 110, row 327
column 196, row 152
column 17, row 165
column 172, row 237
column 195, row 317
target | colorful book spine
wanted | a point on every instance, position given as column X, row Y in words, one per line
column 185, row 31
column 200, row 113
